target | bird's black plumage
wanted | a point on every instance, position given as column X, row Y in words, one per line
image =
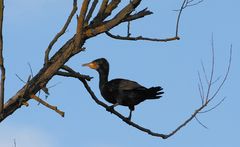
column 122, row 91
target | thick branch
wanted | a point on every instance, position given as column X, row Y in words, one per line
column 1, row 59
column 47, row 105
column 80, row 23
column 99, row 17
column 63, row 30
column 108, row 11
column 91, row 10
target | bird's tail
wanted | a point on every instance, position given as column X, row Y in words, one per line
column 154, row 92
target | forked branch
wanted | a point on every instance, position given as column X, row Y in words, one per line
column 47, row 105
column 142, row 14
column 63, row 30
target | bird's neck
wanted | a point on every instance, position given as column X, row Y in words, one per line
column 103, row 77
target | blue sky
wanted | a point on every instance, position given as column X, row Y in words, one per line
column 29, row 25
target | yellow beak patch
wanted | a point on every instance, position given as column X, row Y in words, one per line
column 92, row 65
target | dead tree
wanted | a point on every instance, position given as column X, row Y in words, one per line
column 87, row 28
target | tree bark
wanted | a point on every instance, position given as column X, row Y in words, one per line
column 41, row 79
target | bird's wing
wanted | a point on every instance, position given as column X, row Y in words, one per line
column 125, row 84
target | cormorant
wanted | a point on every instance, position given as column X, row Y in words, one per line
column 122, row 91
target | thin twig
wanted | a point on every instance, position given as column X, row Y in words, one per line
column 20, row 78
column 54, row 85
column 63, row 30
column 3, row 76
column 217, row 79
column 201, row 123
column 226, row 75
column 179, row 16
column 30, row 67
column 218, row 104
column 204, row 72
column 189, row 3
column 212, row 70
column 201, row 89
column 47, row 105
column 201, row 94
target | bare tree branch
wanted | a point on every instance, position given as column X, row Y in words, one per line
column 204, row 71
column 91, row 10
column 219, row 103
column 2, row 84
column 179, row 16
column 225, row 77
column 142, row 14
column 80, row 23
column 63, row 30
column 200, row 87
column 208, row 98
column 99, row 16
column 141, row 38
column 105, row 11
column 20, row 78
column 212, row 71
column 116, row 20
column 201, row 123
column 190, row 3
column 67, row 74
column 47, row 105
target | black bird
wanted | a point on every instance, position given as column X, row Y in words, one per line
column 122, row 91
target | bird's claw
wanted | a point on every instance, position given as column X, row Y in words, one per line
column 128, row 118
column 110, row 108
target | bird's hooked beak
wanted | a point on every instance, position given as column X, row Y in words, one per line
column 92, row 65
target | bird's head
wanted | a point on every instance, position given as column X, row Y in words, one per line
column 98, row 64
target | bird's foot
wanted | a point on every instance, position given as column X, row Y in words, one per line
column 129, row 118
column 110, row 108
